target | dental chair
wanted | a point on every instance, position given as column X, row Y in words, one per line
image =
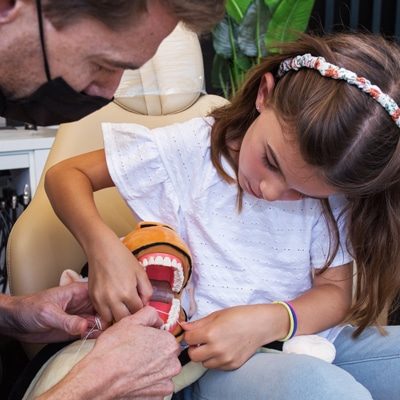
column 167, row 89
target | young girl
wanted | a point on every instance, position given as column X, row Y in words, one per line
column 257, row 191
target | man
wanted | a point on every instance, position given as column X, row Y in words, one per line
column 61, row 60
column 56, row 58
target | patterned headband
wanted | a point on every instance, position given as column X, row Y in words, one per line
column 335, row 72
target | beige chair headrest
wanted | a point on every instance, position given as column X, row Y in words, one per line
column 168, row 83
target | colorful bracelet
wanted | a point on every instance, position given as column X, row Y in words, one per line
column 294, row 315
column 292, row 319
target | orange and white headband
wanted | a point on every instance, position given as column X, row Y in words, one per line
column 333, row 71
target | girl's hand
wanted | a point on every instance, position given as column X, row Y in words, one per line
column 118, row 284
column 226, row 339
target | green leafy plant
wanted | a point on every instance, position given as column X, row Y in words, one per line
column 248, row 32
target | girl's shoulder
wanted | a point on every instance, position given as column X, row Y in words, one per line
column 188, row 136
column 196, row 131
column 193, row 126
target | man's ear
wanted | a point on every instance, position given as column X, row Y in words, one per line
column 265, row 89
column 9, row 10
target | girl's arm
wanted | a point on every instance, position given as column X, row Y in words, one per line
column 226, row 339
column 115, row 276
column 327, row 303
column 70, row 185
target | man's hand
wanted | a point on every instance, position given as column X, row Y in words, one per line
column 132, row 359
column 57, row 314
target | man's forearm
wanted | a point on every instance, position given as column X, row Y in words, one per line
column 8, row 312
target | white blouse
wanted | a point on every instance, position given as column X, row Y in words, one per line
column 266, row 252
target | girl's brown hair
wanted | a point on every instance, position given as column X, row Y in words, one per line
column 349, row 137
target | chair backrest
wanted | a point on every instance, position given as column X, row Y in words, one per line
column 169, row 88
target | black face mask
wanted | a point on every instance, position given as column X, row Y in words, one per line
column 52, row 103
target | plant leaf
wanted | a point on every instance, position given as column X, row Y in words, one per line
column 248, row 30
column 289, row 18
column 221, row 37
column 252, row 30
column 237, row 8
column 220, row 74
column 272, row 4
column 244, row 62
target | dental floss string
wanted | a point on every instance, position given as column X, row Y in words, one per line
column 162, row 312
column 96, row 327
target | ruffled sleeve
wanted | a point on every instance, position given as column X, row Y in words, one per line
column 153, row 169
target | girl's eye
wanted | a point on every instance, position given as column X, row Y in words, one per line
column 268, row 164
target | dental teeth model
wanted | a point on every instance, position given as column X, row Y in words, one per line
column 168, row 264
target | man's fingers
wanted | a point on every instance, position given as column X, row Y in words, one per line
column 147, row 316
column 72, row 324
column 76, row 293
column 75, row 325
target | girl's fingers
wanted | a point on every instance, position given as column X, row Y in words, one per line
column 133, row 303
column 200, row 353
column 104, row 311
column 119, row 311
column 196, row 333
column 144, row 288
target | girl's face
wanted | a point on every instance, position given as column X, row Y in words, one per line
column 270, row 164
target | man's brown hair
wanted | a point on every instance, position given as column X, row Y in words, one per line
column 199, row 16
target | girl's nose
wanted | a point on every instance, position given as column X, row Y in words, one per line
column 272, row 191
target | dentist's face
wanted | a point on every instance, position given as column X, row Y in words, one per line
column 88, row 55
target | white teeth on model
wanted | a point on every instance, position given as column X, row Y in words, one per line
column 178, row 277
column 167, row 262
column 159, row 260
column 173, row 315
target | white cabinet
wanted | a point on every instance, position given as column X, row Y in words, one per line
column 24, row 152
